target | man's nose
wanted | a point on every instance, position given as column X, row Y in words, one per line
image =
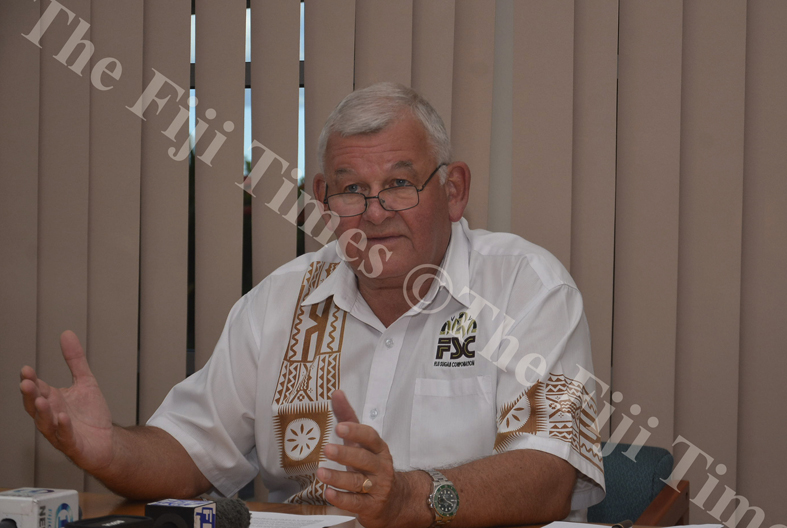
column 374, row 211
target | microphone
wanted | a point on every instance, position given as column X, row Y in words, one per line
column 218, row 513
column 173, row 513
column 38, row 508
column 232, row 513
column 177, row 513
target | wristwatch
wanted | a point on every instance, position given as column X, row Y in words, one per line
column 444, row 500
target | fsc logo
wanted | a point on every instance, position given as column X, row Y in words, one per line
column 453, row 345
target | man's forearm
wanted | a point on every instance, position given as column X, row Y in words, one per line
column 517, row 487
column 148, row 463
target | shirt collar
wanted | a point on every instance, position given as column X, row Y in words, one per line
column 455, row 268
column 454, row 275
column 341, row 284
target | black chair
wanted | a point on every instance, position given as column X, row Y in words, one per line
column 636, row 492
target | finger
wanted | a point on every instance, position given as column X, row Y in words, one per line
column 361, row 435
column 74, row 355
column 64, row 432
column 352, row 502
column 45, row 419
column 358, row 458
column 43, row 388
column 345, row 480
column 342, row 409
column 29, row 392
column 56, row 427
column 28, row 373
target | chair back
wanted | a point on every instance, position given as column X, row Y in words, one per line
column 631, row 484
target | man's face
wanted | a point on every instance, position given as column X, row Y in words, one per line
column 398, row 155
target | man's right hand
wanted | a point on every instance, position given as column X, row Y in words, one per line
column 140, row 462
column 76, row 420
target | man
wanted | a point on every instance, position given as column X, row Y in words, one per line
column 461, row 350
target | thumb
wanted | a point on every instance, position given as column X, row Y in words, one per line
column 343, row 412
column 342, row 409
column 74, row 356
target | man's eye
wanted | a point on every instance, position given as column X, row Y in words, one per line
column 401, row 183
column 352, row 188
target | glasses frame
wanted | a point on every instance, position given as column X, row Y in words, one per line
column 377, row 196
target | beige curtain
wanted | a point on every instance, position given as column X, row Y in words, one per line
column 641, row 142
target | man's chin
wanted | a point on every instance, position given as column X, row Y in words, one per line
column 383, row 258
column 385, row 247
column 376, row 269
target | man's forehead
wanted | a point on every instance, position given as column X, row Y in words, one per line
column 404, row 165
column 403, row 140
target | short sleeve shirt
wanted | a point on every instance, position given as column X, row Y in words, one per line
column 495, row 357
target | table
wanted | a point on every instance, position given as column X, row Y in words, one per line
column 100, row 504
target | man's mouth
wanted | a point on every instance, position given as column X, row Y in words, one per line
column 382, row 238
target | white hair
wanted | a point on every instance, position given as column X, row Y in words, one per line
column 377, row 107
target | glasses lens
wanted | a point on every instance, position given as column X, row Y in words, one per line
column 393, row 199
column 399, row 198
column 347, row 204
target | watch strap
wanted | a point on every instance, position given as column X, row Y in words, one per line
column 438, row 479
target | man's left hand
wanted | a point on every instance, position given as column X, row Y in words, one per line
column 387, row 499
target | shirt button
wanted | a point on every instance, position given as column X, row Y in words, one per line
column 389, row 342
column 373, row 414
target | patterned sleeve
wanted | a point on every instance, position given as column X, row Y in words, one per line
column 546, row 396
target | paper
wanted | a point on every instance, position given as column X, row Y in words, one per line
column 564, row 524
column 284, row 520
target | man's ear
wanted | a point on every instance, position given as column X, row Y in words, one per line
column 318, row 187
column 457, row 188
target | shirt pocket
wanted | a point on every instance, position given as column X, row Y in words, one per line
column 453, row 421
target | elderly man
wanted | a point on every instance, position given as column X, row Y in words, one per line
column 462, row 351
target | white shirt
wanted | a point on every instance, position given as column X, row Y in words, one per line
column 496, row 357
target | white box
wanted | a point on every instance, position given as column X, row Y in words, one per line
column 39, row 507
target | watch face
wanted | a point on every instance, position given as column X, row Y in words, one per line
column 446, row 500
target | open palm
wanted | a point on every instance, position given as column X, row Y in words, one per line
column 76, row 420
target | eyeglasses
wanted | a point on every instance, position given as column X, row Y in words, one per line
column 391, row 199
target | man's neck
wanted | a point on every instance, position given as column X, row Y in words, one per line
column 391, row 298
column 388, row 300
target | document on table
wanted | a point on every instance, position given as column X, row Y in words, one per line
column 284, row 520
column 565, row 524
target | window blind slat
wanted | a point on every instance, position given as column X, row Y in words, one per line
column 471, row 103
column 164, row 211
column 593, row 180
column 219, row 83
column 761, row 464
column 646, row 222
column 275, row 73
column 113, row 220
column 711, row 198
column 64, row 168
column 329, row 43
column 433, row 54
column 383, row 42
column 542, row 126
column 19, row 94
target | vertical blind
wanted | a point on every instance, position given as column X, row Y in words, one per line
column 641, row 142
